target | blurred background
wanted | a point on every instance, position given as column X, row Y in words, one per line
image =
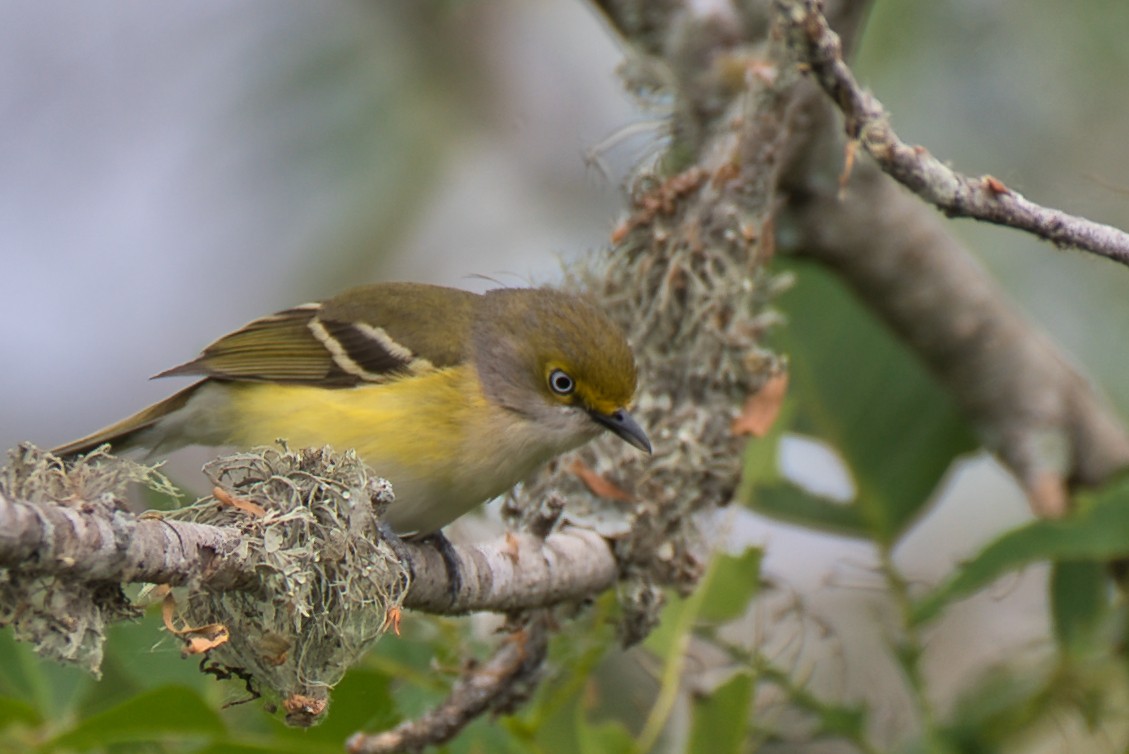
column 169, row 171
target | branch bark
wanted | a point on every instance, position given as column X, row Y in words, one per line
column 84, row 541
column 515, row 572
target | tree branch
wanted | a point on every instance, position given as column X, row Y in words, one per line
column 285, row 533
column 89, row 542
column 79, row 540
column 866, row 122
column 515, row 572
column 1030, row 406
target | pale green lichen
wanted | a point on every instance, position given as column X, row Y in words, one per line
column 64, row 617
column 328, row 579
column 691, row 290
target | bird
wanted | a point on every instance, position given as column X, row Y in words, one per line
column 451, row 395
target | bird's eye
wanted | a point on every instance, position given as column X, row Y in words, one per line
column 560, row 383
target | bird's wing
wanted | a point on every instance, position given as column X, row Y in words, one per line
column 366, row 334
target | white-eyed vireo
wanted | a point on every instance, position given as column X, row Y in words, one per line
column 453, row 396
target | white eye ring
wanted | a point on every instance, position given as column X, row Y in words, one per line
column 560, row 383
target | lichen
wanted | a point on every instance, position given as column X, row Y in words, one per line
column 63, row 616
column 689, row 285
column 328, row 579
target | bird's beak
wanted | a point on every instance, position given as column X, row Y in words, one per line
column 622, row 424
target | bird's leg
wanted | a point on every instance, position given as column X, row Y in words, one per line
column 442, row 545
column 446, row 550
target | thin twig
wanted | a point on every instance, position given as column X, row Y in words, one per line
column 984, row 198
column 494, row 685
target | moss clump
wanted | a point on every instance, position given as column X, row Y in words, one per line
column 328, row 579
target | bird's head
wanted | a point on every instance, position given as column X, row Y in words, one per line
column 559, row 360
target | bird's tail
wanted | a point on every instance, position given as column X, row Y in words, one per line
column 124, row 433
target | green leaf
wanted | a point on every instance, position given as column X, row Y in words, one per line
column 770, row 494
column 17, row 711
column 1097, row 531
column 721, row 720
column 140, row 656
column 269, row 745
column 734, row 583
column 842, row 721
column 858, row 388
column 723, row 593
column 1000, row 704
column 598, row 738
column 555, row 727
column 170, row 712
column 54, row 689
column 787, row 502
column 1079, row 603
column 16, row 664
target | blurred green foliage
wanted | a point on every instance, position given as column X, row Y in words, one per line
column 857, row 388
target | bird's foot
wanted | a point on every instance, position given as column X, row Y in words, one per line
column 446, row 550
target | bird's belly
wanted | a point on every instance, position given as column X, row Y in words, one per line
column 423, row 506
column 478, row 471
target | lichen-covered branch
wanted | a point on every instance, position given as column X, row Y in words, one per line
column 99, row 543
column 101, row 540
column 866, row 122
column 289, row 577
